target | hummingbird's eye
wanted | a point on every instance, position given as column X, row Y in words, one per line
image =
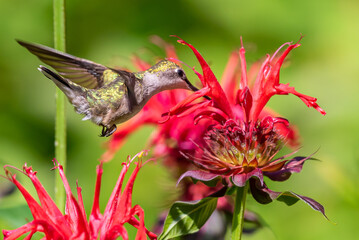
column 180, row 73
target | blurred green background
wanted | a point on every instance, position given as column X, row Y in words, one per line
column 109, row 32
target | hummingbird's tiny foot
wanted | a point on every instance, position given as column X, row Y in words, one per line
column 110, row 130
column 106, row 132
column 103, row 132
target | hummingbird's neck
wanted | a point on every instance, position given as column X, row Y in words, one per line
column 147, row 86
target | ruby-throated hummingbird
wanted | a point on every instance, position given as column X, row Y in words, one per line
column 106, row 95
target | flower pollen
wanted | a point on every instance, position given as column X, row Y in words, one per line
column 232, row 149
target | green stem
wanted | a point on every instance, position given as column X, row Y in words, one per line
column 60, row 123
column 238, row 214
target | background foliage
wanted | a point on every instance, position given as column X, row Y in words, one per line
column 108, row 32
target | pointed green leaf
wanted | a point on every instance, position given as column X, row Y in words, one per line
column 187, row 217
column 264, row 195
column 291, row 198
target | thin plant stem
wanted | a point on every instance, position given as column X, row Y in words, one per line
column 60, row 122
column 238, row 214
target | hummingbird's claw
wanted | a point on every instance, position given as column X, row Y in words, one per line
column 106, row 132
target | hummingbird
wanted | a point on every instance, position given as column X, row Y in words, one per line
column 107, row 96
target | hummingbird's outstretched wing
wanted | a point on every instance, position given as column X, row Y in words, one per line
column 80, row 71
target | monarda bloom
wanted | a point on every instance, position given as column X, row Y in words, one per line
column 180, row 133
column 243, row 145
column 49, row 220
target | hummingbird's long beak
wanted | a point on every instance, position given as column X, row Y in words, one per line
column 193, row 88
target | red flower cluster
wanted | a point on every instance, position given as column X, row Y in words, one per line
column 243, row 143
column 49, row 220
column 232, row 135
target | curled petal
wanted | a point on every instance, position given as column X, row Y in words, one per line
column 273, row 167
column 141, row 233
column 241, row 178
column 194, row 107
column 185, row 104
column 17, row 233
column 291, row 166
column 198, row 175
column 134, row 222
column 212, row 113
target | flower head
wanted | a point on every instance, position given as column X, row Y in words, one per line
column 179, row 136
column 49, row 220
column 246, row 137
column 232, row 135
column 242, row 146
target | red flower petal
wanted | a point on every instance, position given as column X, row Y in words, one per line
column 210, row 80
column 267, row 84
column 229, row 80
column 240, row 179
column 308, row 100
column 185, row 104
column 198, row 175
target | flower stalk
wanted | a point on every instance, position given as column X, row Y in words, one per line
column 60, row 122
column 238, row 214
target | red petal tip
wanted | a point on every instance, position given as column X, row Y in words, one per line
column 241, row 39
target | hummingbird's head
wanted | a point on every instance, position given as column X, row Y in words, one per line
column 166, row 75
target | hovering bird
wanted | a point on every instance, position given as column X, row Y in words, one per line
column 107, row 96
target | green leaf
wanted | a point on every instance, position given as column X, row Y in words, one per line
column 288, row 198
column 187, row 217
column 291, row 198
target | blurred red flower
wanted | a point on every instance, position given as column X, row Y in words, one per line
column 49, row 220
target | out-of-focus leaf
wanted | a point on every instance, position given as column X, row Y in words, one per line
column 6, row 189
column 252, row 222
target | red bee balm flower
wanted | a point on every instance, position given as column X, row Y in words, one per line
column 242, row 145
column 73, row 224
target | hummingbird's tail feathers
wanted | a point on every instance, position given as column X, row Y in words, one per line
column 73, row 92
column 57, row 79
column 70, row 89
